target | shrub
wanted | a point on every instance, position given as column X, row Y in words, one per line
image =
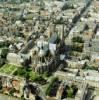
column 4, row 52
column 70, row 92
column 20, row 72
column 76, row 47
column 12, row 91
column 49, row 89
column 77, row 39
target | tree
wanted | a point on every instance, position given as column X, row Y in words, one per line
column 12, row 91
column 4, row 52
column 20, row 72
column 27, row 76
column 49, row 88
column 40, row 79
column 47, row 74
column 70, row 92
column 76, row 47
column 2, row 62
column 86, row 27
column 77, row 39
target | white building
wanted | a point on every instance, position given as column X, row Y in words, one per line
column 14, row 58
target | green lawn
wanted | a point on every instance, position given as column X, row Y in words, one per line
column 7, row 68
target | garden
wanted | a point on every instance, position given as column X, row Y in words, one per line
column 8, row 68
column 53, row 87
column 70, row 91
column 30, row 75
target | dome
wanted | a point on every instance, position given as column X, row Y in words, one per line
column 41, row 53
column 96, row 98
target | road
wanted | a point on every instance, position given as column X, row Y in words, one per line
column 5, row 97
